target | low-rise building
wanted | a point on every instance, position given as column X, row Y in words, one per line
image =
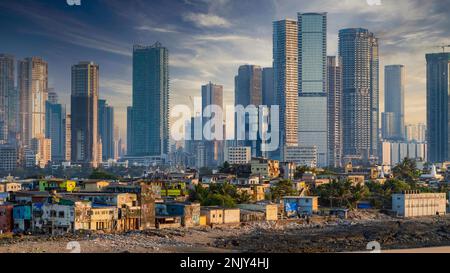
column 300, row 205
column 10, row 187
column 213, row 215
column 57, row 185
column 238, row 155
column 22, row 218
column 302, row 155
column 6, row 218
column 265, row 168
column 104, row 218
column 268, row 210
column 94, row 185
column 414, row 204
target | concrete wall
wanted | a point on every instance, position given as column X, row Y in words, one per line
column 231, row 216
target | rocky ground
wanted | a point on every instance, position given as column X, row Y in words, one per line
column 297, row 236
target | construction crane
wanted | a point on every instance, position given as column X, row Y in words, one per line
column 444, row 47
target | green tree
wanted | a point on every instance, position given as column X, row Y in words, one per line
column 407, row 171
column 99, row 174
column 282, row 189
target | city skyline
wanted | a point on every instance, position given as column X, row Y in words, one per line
column 202, row 28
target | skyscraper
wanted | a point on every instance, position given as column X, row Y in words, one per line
column 149, row 116
column 68, row 138
column 438, row 88
column 285, row 66
column 84, row 116
column 33, row 88
column 358, row 49
column 269, row 96
column 55, row 128
column 212, row 94
column 248, row 92
column 393, row 122
column 106, row 129
column 335, row 111
column 312, row 83
column 6, row 89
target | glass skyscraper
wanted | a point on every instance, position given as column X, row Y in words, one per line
column 106, row 129
column 358, row 49
column 438, row 88
column 393, row 122
column 55, row 128
column 312, row 83
column 212, row 94
column 6, row 88
column 248, row 91
column 149, row 115
column 335, row 111
column 285, row 67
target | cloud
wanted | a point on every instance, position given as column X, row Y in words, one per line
column 206, row 20
column 156, row 29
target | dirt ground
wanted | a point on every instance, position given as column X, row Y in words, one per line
column 318, row 235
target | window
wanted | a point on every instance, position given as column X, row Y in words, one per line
column 61, row 214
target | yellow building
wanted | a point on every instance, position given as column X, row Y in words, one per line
column 104, row 218
column 356, row 179
column 94, row 185
column 43, row 149
column 10, row 187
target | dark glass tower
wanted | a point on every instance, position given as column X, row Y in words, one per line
column 106, row 129
column 149, row 115
column 438, row 87
column 84, row 117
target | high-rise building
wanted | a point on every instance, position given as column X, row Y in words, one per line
column 68, row 138
column 6, row 89
column 84, row 116
column 248, row 92
column 8, row 157
column 42, row 148
column 106, row 129
column 212, row 95
column 33, row 92
column 55, row 127
column 13, row 115
column 438, row 88
column 312, row 83
column 149, row 116
column 285, row 66
column 335, row 111
column 358, row 50
column 393, row 121
column 269, row 96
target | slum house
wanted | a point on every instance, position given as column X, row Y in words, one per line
column 189, row 212
column 22, row 218
column 219, row 216
column 93, row 185
column 128, row 209
column 148, row 194
column 10, row 187
column 300, row 205
column 6, row 218
column 58, row 185
column 258, row 212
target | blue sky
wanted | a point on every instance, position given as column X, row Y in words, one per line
column 208, row 39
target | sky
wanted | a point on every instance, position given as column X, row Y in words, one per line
column 209, row 39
